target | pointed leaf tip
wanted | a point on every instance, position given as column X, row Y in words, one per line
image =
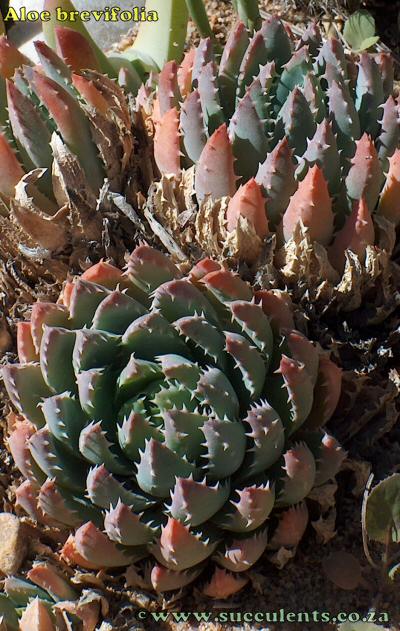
column 311, row 205
column 10, row 169
column 215, row 174
column 167, row 143
column 357, row 233
column 249, row 203
column 75, row 50
column 36, row 616
column 389, row 203
column 365, row 176
column 90, row 93
column 224, row 584
column 10, row 58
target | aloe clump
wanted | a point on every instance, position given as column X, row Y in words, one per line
column 45, row 601
column 280, row 135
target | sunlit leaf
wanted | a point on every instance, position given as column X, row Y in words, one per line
column 383, row 510
column 359, row 31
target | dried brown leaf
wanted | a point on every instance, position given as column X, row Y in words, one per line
column 325, row 526
column 71, row 187
column 282, row 556
column 324, row 495
column 343, row 569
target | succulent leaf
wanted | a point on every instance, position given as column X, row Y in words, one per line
column 209, row 97
column 247, row 135
column 300, row 473
column 315, row 96
column 165, row 580
column 276, row 176
column 267, row 433
column 71, row 123
column 326, row 394
column 195, row 502
column 76, row 50
column 36, row 616
column 167, row 143
column 369, row 94
column 357, row 233
column 365, row 176
column 46, row 576
column 248, row 202
column 330, row 459
column 312, row 206
column 65, row 507
column 253, row 322
column 388, row 203
column 10, row 170
column 291, row 527
column 224, row 584
column 389, row 137
column 293, row 74
column 168, row 90
column 125, row 528
column 233, row 53
column 386, row 68
column 149, row 268
column 181, row 548
column 292, row 393
column 26, row 349
column 241, row 553
column 184, row 73
column 278, row 307
column 30, row 132
column 215, row 174
column 55, row 461
column 57, row 344
column 322, row 151
column 10, row 58
column 295, row 121
column 88, row 541
column 193, row 126
column 250, row 511
column 65, row 419
column 53, row 66
column 346, row 122
column 104, row 491
column 26, row 388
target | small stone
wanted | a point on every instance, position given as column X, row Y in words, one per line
column 13, row 544
column 5, row 337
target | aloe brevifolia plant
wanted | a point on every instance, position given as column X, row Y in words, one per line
column 171, row 418
column 67, row 148
column 47, row 602
column 280, row 136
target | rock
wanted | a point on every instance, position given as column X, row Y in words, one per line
column 13, row 544
column 5, row 337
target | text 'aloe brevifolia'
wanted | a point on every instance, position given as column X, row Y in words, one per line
column 170, row 416
column 280, row 134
